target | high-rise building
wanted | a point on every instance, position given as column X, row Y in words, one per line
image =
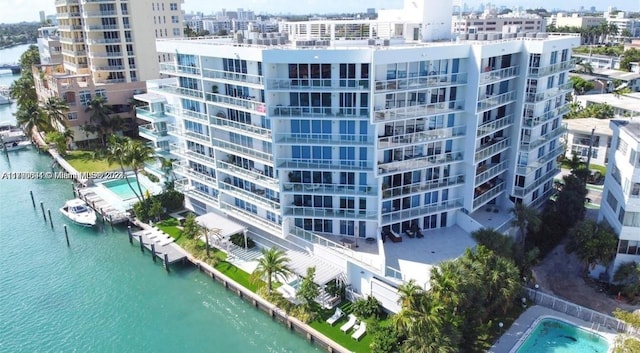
column 621, row 196
column 345, row 133
column 42, row 17
column 108, row 50
column 49, row 45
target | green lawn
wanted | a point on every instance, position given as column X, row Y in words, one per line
column 238, row 275
column 343, row 339
column 170, row 226
column 81, row 160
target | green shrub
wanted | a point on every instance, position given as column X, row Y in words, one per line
column 367, row 308
column 238, row 240
column 171, row 200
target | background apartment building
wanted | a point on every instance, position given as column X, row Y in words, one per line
column 491, row 22
column 562, row 19
column 358, row 129
column 108, row 50
column 621, row 195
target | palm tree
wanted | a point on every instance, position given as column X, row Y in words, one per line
column 115, row 153
column 273, row 263
column 23, row 91
column 409, row 293
column 525, row 217
column 585, row 67
column 99, row 117
column 30, row 117
column 136, row 154
column 56, row 109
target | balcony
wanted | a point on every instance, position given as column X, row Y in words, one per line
column 70, row 27
column 251, row 106
column 532, row 121
column 107, row 68
column 191, row 191
column 315, row 212
column 494, row 101
column 488, row 171
column 252, row 218
column 494, row 125
column 417, row 188
column 232, row 77
column 532, row 166
column 255, row 197
column 248, row 152
column 392, row 216
column 203, row 178
column 401, row 140
column 181, row 91
column 190, row 135
column 418, row 111
column 552, row 69
column 496, row 145
column 328, row 189
column 105, row 55
column 68, row 15
column 186, row 114
column 418, row 162
column 523, row 191
column 241, row 128
column 527, row 145
column 424, row 81
column 325, row 139
column 172, row 69
column 317, row 112
column 549, row 93
column 74, row 52
column 105, row 41
column 543, row 198
column 71, row 40
column 101, row 27
column 103, row 13
column 323, row 164
column 145, row 114
column 306, row 84
column 150, row 132
column 67, row 2
column 254, row 175
column 497, row 75
column 487, row 192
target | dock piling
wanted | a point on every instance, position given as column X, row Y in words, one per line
column 43, row 214
column 33, row 201
column 166, row 262
column 111, row 221
column 50, row 219
column 66, row 235
column 130, row 235
column 153, row 251
column 141, row 243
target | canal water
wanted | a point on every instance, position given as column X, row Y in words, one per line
column 101, row 294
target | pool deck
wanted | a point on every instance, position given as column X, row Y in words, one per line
column 521, row 326
column 106, row 210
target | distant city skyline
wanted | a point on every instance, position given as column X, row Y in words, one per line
column 12, row 11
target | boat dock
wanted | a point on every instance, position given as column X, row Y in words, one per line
column 160, row 245
column 102, row 207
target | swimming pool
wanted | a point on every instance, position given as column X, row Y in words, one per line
column 556, row 336
column 122, row 189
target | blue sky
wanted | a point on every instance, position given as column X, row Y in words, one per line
column 27, row 10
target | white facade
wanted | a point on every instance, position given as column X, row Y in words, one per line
column 579, row 139
column 49, row 45
column 343, row 139
column 492, row 23
column 621, row 197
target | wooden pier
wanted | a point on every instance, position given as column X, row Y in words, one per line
column 160, row 245
column 102, row 207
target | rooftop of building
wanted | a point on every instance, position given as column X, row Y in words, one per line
column 629, row 126
column 629, row 102
column 585, row 126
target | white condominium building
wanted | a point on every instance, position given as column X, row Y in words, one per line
column 108, row 49
column 621, row 196
column 370, row 130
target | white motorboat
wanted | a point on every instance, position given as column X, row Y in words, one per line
column 78, row 212
column 17, row 145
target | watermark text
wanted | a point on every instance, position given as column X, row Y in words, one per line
column 60, row 175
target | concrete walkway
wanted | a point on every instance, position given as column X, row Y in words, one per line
column 520, row 328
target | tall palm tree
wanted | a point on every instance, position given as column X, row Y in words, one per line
column 136, row 154
column 30, row 117
column 23, row 91
column 525, row 217
column 272, row 264
column 409, row 293
column 115, row 153
column 99, row 117
column 56, row 109
column 584, row 67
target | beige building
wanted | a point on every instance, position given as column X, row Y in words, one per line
column 491, row 22
column 562, row 19
column 108, row 49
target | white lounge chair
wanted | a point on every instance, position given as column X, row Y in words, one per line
column 360, row 331
column 349, row 324
column 335, row 317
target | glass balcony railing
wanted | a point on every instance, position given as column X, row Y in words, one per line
column 179, row 69
column 186, row 114
column 532, row 166
column 151, row 131
column 240, row 128
column 254, row 175
column 543, row 198
column 102, row 13
column 74, row 52
column 190, row 135
column 328, row 189
column 418, row 111
column 488, row 195
column 191, row 191
column 202, row 177
column 392, row 216
column 325, row 139
column 323, row 164
column 549, row 93
column 552, row 69
column 527, row 145
column 315, row 212
column 101, row 27
column 71, row 40
column 318, row 84
column 419, row 162
column 419, row 82
column 235, row 103
column 531, row 120
column 416, row 188
column 252, row 218
column 257, row 197
column 497, row 100
column 421, row 137
column 193, row 155
column 146, row 114
column 181, row 91
column 487, row 172
column 492, row 76
column 105, row 41
column 496, row 145
column 318, row 112
column 95, row 54
column 247, row 152
column 494, row 125
column 235, row 77
column 523, row 191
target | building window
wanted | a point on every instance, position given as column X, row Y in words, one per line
column 173, row 6
column 612, row 202
column 101, row 92
column 174, row 19
column 632, row 157
column 635, row 190
column 176, row 32
column 72, row 116
column 622, row 147
column 85, row 97
column 621, row 215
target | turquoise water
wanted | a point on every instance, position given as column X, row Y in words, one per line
column 122, row 189
column 102, row 294
column 554, row 336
